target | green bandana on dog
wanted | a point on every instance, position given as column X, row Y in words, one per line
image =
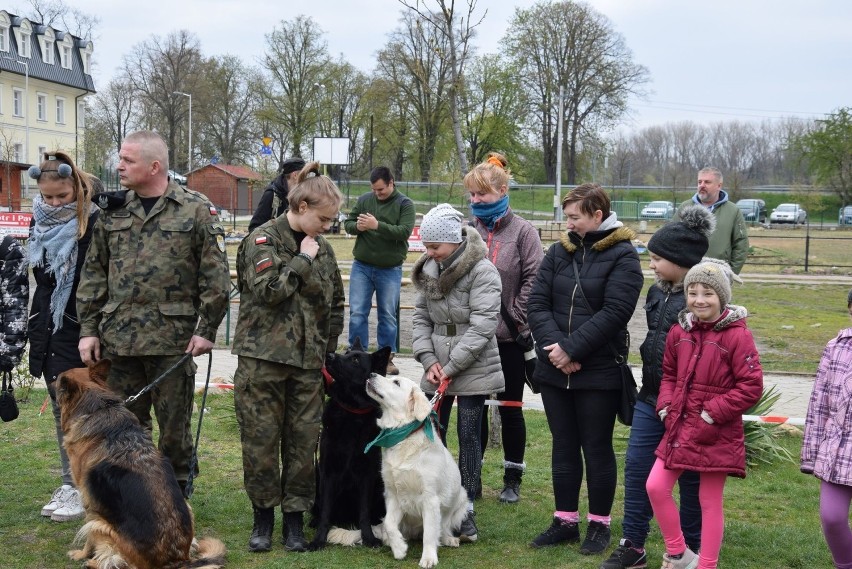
column 390, row 437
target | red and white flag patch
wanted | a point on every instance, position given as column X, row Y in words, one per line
column 262, row 265
column 213, row 211
column 260, row 240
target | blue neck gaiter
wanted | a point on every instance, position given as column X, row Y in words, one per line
column 489, row 213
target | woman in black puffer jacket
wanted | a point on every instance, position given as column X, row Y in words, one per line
column 63, row 216
column 578, row 373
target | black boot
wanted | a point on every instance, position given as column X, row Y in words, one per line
column 293, row 536
column 261, row 534
column 511, row 485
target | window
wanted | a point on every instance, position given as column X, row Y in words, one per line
column 41, row 105
column 66, row 56
column 4, row 38
column 25, row 44
column 17, row 102
column 48, row 52
column 42, row 150
column 81, row 114
column 19, row 152
column 60, row 110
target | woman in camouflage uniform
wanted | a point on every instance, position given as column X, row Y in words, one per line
column 291, row 313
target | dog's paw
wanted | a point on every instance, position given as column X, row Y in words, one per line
column 428, row 560
column 371, row 541
column 399, row 551
column 316, row 545
column 450, row 541
column 78, row 554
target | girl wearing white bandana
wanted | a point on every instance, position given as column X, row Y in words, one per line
column 63, row 215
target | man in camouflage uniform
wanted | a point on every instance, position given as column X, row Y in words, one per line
column 291, row 314
column 154, row 286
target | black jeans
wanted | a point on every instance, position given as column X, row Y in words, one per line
column 514, row 427
column 581, row 422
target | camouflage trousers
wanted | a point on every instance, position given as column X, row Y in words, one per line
column 171, row 400
column 279, row 411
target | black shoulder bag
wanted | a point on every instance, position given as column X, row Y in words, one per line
column 8, row 405
column 528, row 345
column 628, row 384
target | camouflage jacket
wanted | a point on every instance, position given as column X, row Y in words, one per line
column 291, row 311
column 151, row 282
column 15, row 291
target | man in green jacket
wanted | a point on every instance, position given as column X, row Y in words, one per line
column 382, row 221
column 729, row 241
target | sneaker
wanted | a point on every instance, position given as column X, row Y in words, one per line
column 468, row 532
column 59, row 496
column 686, row 560
column 558, row 532
column 70, row 509
column 597, row 539
column 625, row 557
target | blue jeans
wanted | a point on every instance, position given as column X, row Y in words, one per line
column 645, row 435
column 364, row 280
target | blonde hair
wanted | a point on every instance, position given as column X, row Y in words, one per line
column 82, row 183
column 490, row 175
column 314, row 189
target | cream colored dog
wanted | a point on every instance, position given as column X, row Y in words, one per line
column 423, row 491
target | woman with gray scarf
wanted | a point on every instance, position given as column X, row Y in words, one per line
column 63, row 215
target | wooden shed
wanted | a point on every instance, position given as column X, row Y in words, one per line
column 228, row 186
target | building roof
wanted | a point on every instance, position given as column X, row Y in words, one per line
column 239, row 172
column 37, row 68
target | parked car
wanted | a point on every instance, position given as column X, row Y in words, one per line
column 658, row 210
column 788, row 213
column 177, row 178
column 845, row 216
column 753, row 210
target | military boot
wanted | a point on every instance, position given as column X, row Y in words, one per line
column 293, row 534
column 261, row 534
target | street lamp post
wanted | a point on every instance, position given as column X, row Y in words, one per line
column 189, row 147
column 27, row 119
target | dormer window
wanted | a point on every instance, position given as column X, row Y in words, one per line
column 48, row 52
column 65, row 55
column 4, row 38
column 25, row 44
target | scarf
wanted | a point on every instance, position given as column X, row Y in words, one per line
column 390, row 437
column 53, row 245
column 489, row 213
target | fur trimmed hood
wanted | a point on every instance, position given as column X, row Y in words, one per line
column 425, row 275
column 734, row 313
column 570, row 240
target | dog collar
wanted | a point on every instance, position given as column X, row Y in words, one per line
column 390, row 437
column 329, row 380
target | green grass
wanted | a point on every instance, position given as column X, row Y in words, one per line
column 772, row 514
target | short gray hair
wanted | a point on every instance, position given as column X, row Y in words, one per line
column 712, row 170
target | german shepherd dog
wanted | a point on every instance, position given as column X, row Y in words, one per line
column 349, row 489
column 136, row 516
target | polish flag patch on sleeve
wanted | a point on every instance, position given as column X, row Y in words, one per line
column 262, row 265
column 213, row 210
column 260, row 240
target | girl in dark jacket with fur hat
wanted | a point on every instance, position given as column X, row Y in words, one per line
column 63, row 216
column 577, row 370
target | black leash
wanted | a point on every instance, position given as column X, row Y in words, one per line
column 154, row 383
column 193, row 462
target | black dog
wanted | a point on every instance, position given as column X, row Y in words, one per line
column 350, row 492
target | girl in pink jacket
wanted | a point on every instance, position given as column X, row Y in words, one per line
column 827, row 448
column 711, row 376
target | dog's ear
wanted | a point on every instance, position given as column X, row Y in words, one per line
column 99, row 371
column 356, row 345
column 379, row 360
column 418, row 404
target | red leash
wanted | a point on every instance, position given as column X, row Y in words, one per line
column 439, row 394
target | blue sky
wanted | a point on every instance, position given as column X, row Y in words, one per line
column 709, row 61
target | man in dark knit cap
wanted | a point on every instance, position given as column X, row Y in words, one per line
column 273, row 202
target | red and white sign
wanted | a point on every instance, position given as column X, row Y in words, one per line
column 15, row 223
column 414, row 242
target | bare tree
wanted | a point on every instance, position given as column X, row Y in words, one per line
column 296, row 54
column 58, row 14
column 570, row 45
column 157, row 68
column 113, row 109
column 458, row 29
column 412, row 60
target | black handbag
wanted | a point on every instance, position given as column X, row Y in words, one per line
column 528, row 345
column 8, row 405
column 629, row 393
